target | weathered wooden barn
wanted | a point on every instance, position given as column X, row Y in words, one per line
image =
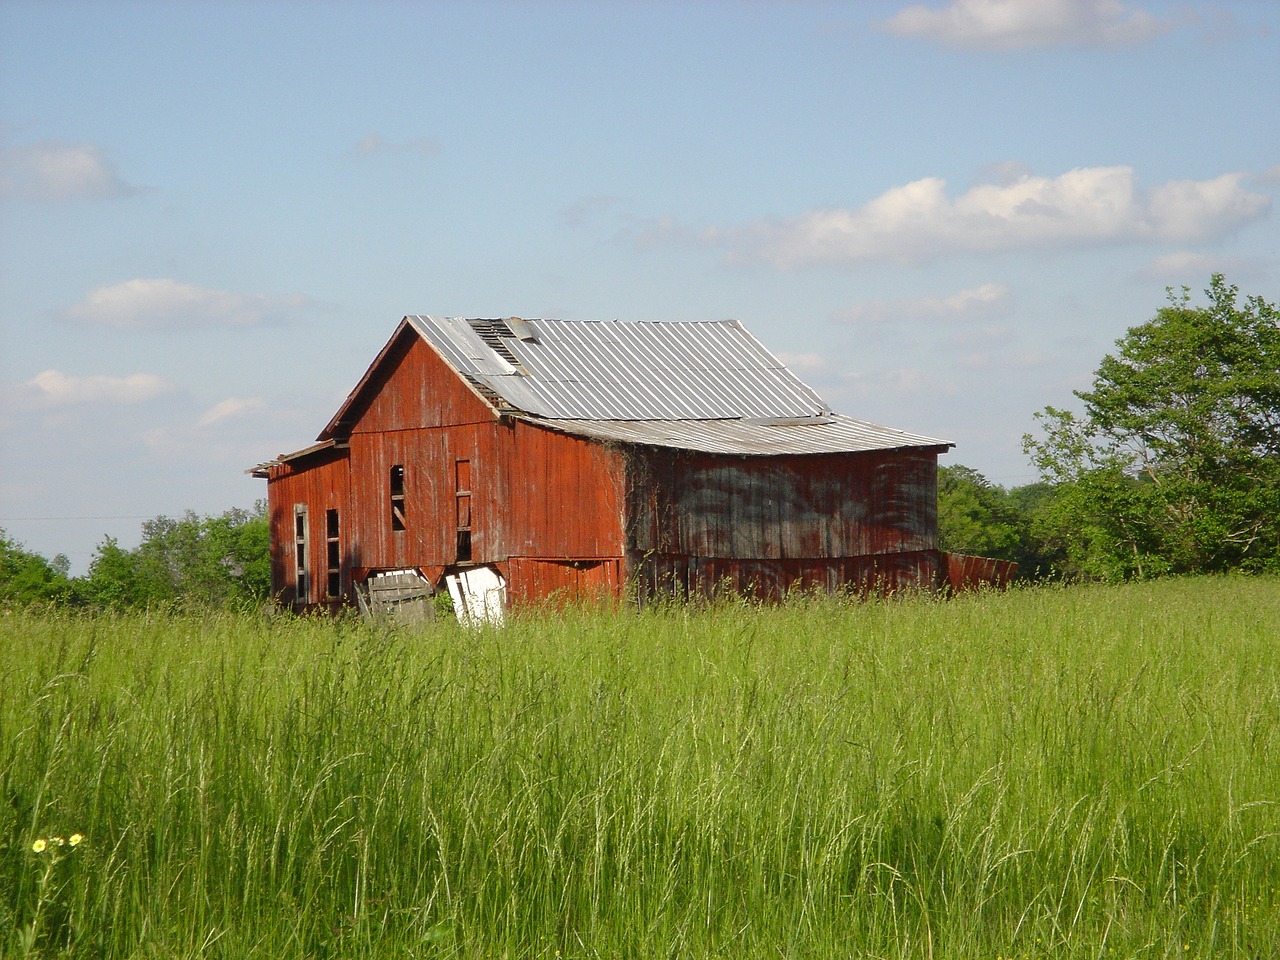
column 577, row 458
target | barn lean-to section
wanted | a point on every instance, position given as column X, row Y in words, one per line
column 579, row 458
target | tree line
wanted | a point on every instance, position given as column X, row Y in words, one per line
column 1171, row 465
column 211, row 560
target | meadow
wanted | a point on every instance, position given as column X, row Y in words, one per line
column 1080, row 772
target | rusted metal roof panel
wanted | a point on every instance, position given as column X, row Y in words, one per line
column 753, row 437
column 610, row 370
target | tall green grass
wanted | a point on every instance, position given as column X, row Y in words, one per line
column 1089, row 772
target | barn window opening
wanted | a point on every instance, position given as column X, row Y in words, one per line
column 302, row 586
column 333, row 553
column 462, row 508
column 397, row 497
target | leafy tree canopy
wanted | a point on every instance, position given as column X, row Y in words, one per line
column 27, row 577
column 192, row 559
column 1174, row 464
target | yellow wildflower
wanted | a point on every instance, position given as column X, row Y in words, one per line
column 38, row 846
column 75, row 839
column 57, row 841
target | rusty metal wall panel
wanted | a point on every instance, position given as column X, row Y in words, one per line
column 973, row 573
column 682, row 576
column 785, row 507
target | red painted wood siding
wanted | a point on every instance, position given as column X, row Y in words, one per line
column 414, row 388
column 320, row 482
column 566, row 496
column 539, row 500
column 538, row 581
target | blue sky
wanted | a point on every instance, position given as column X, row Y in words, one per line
column 942, row 215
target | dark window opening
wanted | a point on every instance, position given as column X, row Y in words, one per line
column 302, row 584
column 333, row 554
column 462, row 507
column 397, row 497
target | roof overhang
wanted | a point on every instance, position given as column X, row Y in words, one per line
column 799, row 436
column 263, row 470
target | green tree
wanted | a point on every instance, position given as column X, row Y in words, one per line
column 1174, row 464
column 27, row 577
column 114, row 580
column 982, row 519
column 975, row 517
column 212, row 560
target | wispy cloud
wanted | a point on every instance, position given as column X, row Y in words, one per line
column 374, row 144
column 232, row 408
column 919, row 221
column 1014, row 24
column 53, row 170
column 138, row 304
column 899, row 381
column 981, row 302
column 53, row 388
column 1195, row 269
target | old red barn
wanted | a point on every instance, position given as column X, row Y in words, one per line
column 571, row 458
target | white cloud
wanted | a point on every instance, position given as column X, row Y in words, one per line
column 232, row 408
column 373, row 144
column 136, row 304
column 53, row 388
column 52, row 170
column 1083, row 207
column 1013, row 24
column 987, row 300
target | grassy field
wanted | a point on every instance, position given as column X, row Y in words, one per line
column 1085, row 772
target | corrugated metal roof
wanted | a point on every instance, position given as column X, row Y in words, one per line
column 610, row 370
column 708, row 386
column 829, row 434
